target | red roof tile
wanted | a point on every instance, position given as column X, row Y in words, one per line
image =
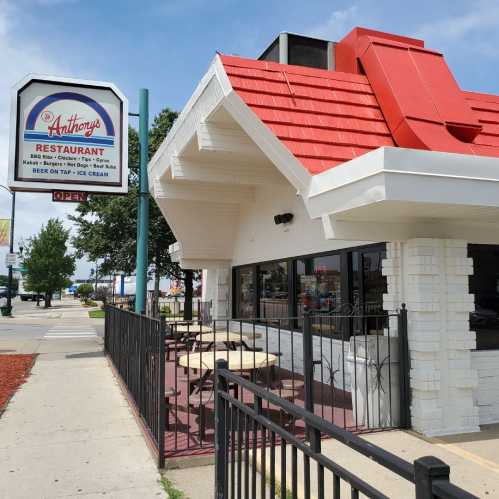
column 405, row 96
column 323, row 117
column 486, row 109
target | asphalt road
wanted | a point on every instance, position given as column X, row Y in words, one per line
column 39, row 323
column 12, row 330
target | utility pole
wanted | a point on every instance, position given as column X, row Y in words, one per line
column 143, row 204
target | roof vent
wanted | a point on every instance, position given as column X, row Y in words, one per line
column 300, row 50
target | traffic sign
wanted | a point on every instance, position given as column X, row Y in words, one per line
column 10, row 259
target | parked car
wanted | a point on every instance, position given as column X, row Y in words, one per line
column 27, row 295
column 4, row 292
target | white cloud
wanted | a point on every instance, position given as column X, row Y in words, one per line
column 19, row 57
column 339, row 23
column 480, row 21
column 49, row 3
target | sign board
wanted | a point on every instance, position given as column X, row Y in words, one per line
column 69, row 196
column 68, row 134
column 4, row 231
column 10, row 259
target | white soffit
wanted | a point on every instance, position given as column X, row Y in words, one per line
column 392, row 183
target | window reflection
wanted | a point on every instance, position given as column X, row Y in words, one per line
column 319, row 284
column 484, row 284
column 346, row 283
column 273, row 285
column 245, row 293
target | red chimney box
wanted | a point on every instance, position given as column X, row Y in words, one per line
column 422, row 103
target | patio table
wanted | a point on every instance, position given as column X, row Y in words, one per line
column 231, row 340
column 191, row 328
column 238, row 360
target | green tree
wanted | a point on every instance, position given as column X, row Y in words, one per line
column 107, row 225
column 48, row 264
column 85, row 290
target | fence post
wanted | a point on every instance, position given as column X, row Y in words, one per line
column 427, row 470
column 220, row 433
column 161, row 394
column 404, row 370
column 308, row 361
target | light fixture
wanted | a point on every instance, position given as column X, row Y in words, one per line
column 283, row 218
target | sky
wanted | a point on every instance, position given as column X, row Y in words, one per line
column 167, row 45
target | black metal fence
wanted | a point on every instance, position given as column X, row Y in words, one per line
column 123, row 302
column 351, row 370
column 175, row 309
column 243, row 431
column 356, row 381
column 136, row 346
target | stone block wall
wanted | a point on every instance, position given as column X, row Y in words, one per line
column 431, row 277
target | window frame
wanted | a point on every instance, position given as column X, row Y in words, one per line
column 346, row 256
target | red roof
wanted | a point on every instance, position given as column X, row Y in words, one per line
column 323, row 117
column 407, row 97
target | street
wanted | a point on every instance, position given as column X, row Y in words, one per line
column 32, row 323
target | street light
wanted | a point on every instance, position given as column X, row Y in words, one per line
column 11, row 248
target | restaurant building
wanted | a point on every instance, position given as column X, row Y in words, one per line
column 348, row 176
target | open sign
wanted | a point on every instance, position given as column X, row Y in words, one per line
column 69, row 196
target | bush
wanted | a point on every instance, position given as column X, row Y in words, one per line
column 102, row 294
column 84, row 291
column 165, row 310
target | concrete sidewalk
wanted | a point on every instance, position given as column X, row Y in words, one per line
column 68, row 432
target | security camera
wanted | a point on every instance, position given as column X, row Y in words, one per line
column 284, row 218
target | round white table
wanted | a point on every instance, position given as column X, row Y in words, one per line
column 237, row 360
column 190, row 328
column 219, row 337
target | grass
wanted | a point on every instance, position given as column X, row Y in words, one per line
column 171, row 490
column 96, row 314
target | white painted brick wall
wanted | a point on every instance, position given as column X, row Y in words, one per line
column 431, row 277
column 486, row 394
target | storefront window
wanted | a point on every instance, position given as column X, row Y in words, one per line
column 484, row 284
column 374, row 282
column 245, row 293
column 319, row 284
column 273, row 286
column 347, row 283
column 374, row 286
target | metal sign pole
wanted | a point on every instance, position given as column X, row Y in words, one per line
column 11, row 249
column 143, row 204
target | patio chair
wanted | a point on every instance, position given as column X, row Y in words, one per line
column 169, row 392
column 174, row 345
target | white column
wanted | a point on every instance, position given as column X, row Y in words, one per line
column 216, row 287
column 431, row 277
column 222, row 307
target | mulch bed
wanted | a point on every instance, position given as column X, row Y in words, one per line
column 14, row 371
